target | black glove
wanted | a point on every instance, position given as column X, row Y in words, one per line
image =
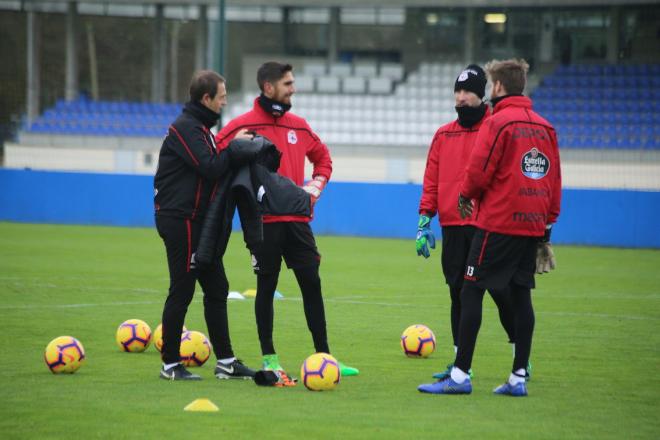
column 465, row 206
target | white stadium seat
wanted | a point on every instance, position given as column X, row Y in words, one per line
column 354, row 84
column 305, row 84
column 327, row 84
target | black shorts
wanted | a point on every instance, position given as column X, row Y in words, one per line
column 292, row 240
column 498, row 260
column 456, row 241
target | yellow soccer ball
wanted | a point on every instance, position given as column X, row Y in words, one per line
column 133, row 336
column 195, row 349
column 320, row 372
column 418, row 341
column 64, row 354
column 158, row 336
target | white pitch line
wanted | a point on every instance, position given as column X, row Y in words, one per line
column 586, row 314
column 331, row 300
column 81, row 305
column 87, row 288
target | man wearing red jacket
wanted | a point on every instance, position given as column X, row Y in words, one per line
column 514, row 172
column 290, row 237
column 445, row 168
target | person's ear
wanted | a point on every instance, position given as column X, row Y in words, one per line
column 268, row 88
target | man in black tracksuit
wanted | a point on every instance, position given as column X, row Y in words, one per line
column 189, row 167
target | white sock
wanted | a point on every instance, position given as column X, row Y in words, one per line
column 455, row 349
column 168, row 366
column 517, row 377
column 458, row 375
column 227, row 361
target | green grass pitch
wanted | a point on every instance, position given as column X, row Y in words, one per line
column 596, row 351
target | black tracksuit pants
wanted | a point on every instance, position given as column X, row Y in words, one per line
column 181, row 237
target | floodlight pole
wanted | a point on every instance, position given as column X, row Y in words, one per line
column 221, row 41
column 33, row 66
column 221, row 37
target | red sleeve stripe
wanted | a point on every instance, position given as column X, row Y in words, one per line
column 194, row 159
column 197, row 194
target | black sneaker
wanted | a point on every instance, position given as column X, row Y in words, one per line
column 178, row 372
column 235, row 370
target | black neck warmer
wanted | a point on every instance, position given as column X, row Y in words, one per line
column 273, row 107
column 494, row 101
column 202, row 113
column 469, row 116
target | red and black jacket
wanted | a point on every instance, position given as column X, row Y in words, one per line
column 445, row 168
column 514, row 171
column 293, row 137
column 188, row 165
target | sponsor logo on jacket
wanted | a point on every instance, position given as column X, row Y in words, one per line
column 530, row 217
column 534, row 164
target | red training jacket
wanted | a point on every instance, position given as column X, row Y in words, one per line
column 445, row 168
column 293, row 137
column 514, row 171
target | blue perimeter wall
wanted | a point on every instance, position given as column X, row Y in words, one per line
column 591, row 217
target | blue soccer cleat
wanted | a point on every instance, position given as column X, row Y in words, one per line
column 447, row 386
column 518, row 390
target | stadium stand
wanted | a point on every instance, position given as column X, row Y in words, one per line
column 106, row 118
column 603, row 106
column 591, row 106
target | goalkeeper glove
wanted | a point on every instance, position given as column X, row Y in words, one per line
column 314, row 188
column 425, row 237
column 545, row 257
column 465, row 206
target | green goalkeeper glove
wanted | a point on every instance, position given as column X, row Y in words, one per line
column 425, row 237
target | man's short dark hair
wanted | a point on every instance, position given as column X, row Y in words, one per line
column 203, row 82
column 271, row 72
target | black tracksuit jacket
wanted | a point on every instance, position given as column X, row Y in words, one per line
column 189, row 165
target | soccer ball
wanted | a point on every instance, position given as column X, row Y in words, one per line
column 64, row 354
column 158, row 336
column 418, row 341
column 320, row 372
column 133, row 336
column 195, row 349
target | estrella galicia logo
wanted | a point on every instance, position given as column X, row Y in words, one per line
column 535, row 164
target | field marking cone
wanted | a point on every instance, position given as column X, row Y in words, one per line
column 235, row 295
column 202, row 405
column 251, row 293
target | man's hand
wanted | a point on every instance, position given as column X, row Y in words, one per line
column 245, row 134
column 425, row 237
column 545, row 258
column 315, row 187
column 465, row 206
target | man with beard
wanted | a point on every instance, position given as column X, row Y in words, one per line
column 514, row 171
column 445, row 167
column 288, row 237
